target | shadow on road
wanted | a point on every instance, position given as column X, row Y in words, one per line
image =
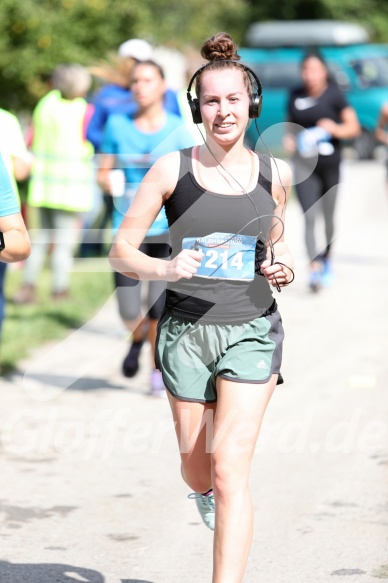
column 70, row 382
column 47, row 573
column 50, row 572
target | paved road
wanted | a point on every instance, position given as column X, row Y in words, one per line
column 90, row 483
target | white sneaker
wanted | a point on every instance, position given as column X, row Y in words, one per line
column 206, row 507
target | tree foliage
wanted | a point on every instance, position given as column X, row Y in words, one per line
column 370, row 13
column 37, row 35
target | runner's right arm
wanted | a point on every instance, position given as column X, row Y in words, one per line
column 125, row 257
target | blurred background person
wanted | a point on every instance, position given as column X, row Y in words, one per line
column 381, row 131
column 16, row 160
column 320, row 107
column 61, row 185
column 134, row 143
column 14, row 241
column 16, row 157
column 115, row 96
column 193, row 63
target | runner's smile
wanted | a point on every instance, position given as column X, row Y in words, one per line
column 224, row 104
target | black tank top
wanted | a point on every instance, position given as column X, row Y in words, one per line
column 192, row 211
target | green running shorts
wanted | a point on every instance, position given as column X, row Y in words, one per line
column 192, row 354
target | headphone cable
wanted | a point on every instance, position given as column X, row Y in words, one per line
column 271, row 244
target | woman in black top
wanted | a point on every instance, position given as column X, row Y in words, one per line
column 220, row 336
column 320, row 107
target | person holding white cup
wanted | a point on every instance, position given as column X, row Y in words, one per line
column 130, row 146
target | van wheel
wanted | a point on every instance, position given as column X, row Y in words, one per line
column 365, row 145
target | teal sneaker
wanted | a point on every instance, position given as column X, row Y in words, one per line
column 206, row 506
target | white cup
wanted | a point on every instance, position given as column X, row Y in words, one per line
column 117, row 182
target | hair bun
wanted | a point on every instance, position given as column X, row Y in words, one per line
column 220, row 47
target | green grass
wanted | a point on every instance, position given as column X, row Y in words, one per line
column 28, row 326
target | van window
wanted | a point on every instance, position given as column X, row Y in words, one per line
column 278, row 75
column 371, row 72
column 340, row 76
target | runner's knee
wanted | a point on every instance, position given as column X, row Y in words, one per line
column 196, row 478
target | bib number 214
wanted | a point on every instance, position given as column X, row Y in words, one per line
column 225, row 255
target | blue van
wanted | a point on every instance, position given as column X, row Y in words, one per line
column 360, row 69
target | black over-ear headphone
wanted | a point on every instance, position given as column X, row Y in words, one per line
column 255, row 104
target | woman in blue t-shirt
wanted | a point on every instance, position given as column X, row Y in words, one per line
column 133, row 144
column 14, row 241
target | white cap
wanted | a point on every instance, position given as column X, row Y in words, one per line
column 136, row 48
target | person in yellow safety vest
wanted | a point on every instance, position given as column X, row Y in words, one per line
column 61, row 183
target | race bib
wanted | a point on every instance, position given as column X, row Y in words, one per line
column 225, row 256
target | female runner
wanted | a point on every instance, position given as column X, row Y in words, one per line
column 220, row 335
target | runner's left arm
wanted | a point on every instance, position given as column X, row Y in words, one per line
column 281, row 185
column 125, row 256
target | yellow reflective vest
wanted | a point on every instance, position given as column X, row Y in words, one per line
column 62, row 174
